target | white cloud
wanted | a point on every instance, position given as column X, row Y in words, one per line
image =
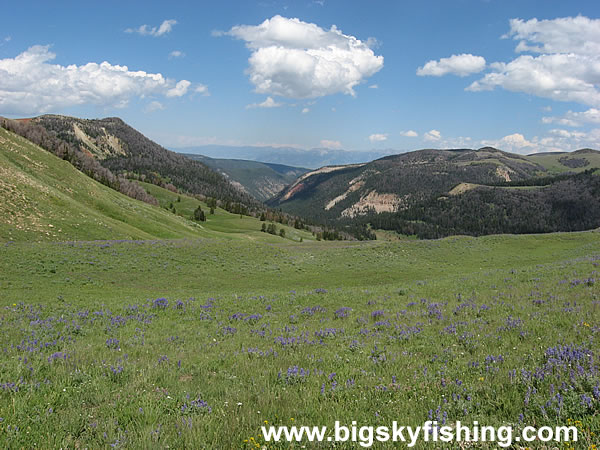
column 579, row 35
column 180, row 89
column 515, row 141
column 176, row 54
column 326, row 143
column 409, row 133
column 576, row 119
column 432, row 135
column 461, row 65
column 374, row 86
column 564, row 77
column 202, row 89
column 378, row 137
column 566, row 66
column 268, row 103
column 145, row 30
column 30, row 84
column 296, row 59
column 305, row 110
column 154, row 106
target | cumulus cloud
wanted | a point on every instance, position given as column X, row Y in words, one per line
column 432, row 135
column 576, row 119
column 146, row 30
column 268, row 103
column 563, row 77
column 180, row 89
column 515, row 141
column 461, row 65
column 409, row 133
column 579, row 35
column 305, row 110
column 326, row 143
column 176, row 54
column 565, row 64
column 378, row 137
column 30, row 84
column 296, row 59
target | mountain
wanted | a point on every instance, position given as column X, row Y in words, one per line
column 433, row 193
column 261, row 180
column 314, row 158
column 43, row 197
column 125, row 151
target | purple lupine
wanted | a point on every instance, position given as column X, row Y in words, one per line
column 160, row 303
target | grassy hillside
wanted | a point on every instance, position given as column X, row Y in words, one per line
column 45, row 198
column 261, row 180
column 576, row 161
column 221, row 223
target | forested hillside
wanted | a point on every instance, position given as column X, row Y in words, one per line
column 435, row 193
column 125, row 151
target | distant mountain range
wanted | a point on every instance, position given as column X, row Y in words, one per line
column 312, row 159
column 261, row 180
column 434, row 193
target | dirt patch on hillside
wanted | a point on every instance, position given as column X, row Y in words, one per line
column 504, row 172
column 339, row 198
column 373, row 201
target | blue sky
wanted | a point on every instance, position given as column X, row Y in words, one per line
column 523, row 76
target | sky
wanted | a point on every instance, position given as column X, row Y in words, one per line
column 398, row 75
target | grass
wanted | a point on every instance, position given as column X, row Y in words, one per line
column 553, row 165
column 221, row 224
column 195, row 343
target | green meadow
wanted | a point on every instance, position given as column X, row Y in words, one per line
column 197, row 343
